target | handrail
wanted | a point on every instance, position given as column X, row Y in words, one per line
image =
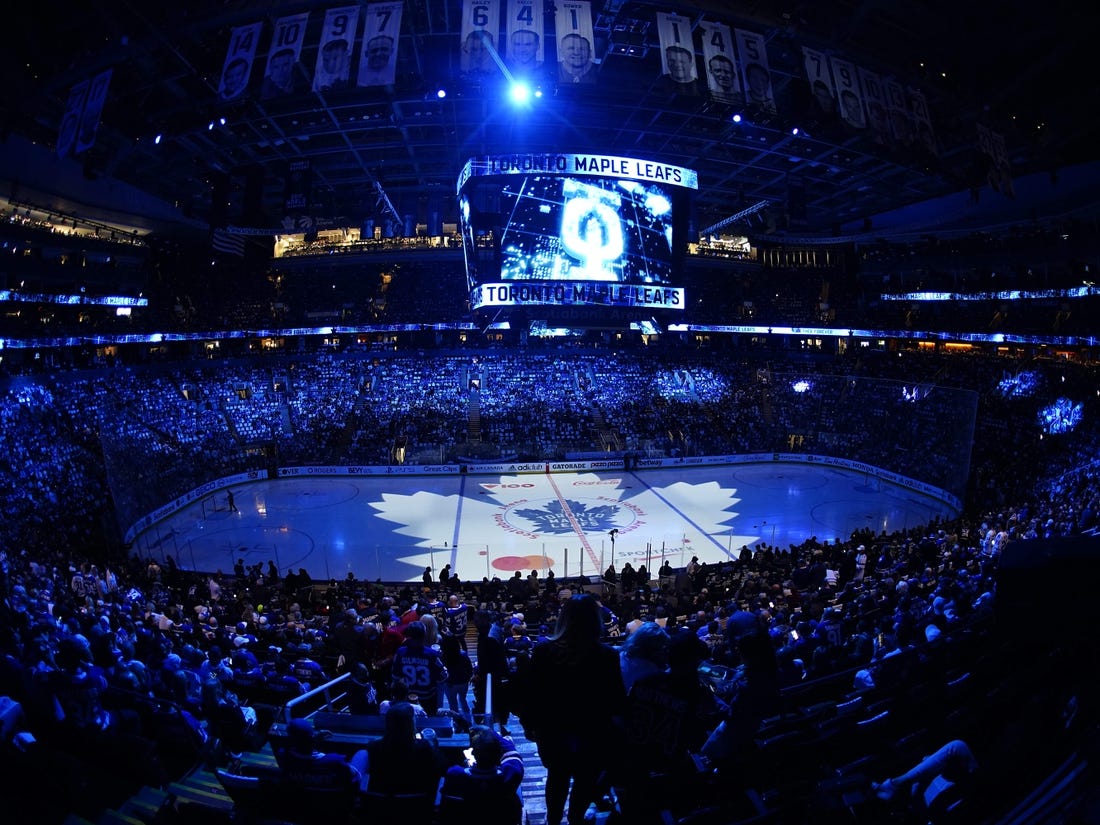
column 297, row 700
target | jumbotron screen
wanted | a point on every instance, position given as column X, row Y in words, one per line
column 571, row 230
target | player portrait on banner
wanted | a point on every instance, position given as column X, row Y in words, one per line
column 677, row 53
column 897, row 109
column 525, row 45
column 848, row 93
column 822, row 109
column 718, row 59
column 281, row 77
column 874, row 103
column 480, row 47
column 925, row 138
column 575, row 42
column 333, row 68
column 238, row 60
column 756, row 72
column 381, row 31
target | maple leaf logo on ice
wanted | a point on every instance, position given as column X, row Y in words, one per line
column 557, row 519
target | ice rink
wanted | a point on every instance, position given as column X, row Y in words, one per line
column 392, row 527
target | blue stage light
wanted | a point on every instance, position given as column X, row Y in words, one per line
column 520, row 93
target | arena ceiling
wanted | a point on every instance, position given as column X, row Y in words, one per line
column 1009, row 66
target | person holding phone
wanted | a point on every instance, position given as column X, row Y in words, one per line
column 488, row 782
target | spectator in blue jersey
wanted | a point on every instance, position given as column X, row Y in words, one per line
column 420, row 667
column 308, row 671
column 455, row 617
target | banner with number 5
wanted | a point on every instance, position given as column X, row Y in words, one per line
column 752, row 50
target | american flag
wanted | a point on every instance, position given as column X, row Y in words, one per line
column 228, row 243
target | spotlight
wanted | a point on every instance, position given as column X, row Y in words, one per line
column 794, row 131
column 157, row 139
column 520, row 93
column 737, row 118
column 221, row 121
column 442, row 93
column 210, row 126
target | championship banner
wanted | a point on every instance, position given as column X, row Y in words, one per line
column 525, row 48
column 922, row 121
column 720, row 61
column 70, row 121
column 575, row 41
column 378, row 57
column 874, row 102
column 238, row 60
column 333, row 68
column 605, row 165
column 755, row 70
column 821, row 83
column 93, row 108
column 898, row 111
column 848, row 93
column 282, row 57
column 299, row 187
column 677, row 49
column 480, row 30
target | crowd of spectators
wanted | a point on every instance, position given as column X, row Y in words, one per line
column 102, row 650
column 150, row 434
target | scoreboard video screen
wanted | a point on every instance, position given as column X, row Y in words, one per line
column 572, row 230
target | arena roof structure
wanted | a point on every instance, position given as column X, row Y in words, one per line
column 994, row 81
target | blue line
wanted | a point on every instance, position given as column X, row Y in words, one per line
column 680, row 513
column 458, row 521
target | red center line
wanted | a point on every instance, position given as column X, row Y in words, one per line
column 576, row 524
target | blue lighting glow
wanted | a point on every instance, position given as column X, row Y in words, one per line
column 520, row 93
column 801, row 386
column 1021, row 385
column 1060, row 417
